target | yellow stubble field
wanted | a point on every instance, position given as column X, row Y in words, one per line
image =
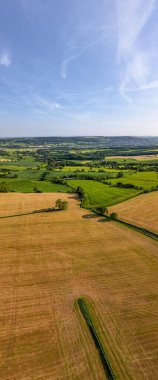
column 141, row 211
column 49, row 260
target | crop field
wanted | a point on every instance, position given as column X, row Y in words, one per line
column 137, row 158
column 12, row 166
column 141, row 179
column 27, row 186
column 84, row 168
column 50, row 260
column 101, row 194
column 21, row 164
column 142, row 211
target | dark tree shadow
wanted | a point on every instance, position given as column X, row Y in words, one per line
column 106, row 220
column 74, row 197
column 89, row 216
column 31, row 213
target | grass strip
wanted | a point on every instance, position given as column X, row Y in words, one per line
column 83, row 306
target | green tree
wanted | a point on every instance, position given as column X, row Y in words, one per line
column 35, row 189
column 119, row 175
column 61, row 205
column 102, row 210
column 80, row 192
column 3, row 188
column 114, row 215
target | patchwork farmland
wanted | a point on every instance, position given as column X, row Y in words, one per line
column 50, row 260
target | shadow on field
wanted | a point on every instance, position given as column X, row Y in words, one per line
column 104, row 220
column 89, row 216
column 31, row 213
column 74, row 197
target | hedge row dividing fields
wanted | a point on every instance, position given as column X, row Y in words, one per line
column 83, row 306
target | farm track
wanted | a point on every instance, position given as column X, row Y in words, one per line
column 48, row 261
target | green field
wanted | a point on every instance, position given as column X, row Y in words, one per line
column 130, row 160
column 26, row 186
column 30, row 174
column 83, row 168
column 12, row 166
column 147, row 180
column 91, row 174
column 100, row 194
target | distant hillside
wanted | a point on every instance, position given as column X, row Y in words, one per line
column 100, row 141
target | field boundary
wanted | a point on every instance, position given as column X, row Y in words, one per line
column 83, row 307
column 142, row 230
column 86, row 205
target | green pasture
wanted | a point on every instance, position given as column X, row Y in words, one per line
column 130, row 160
column 100, row 194
column 122, row 160
column 26, row 186
column 22, row 164
column 10, row 166
column 58, row 174
column 84, row 168
column 75, row 168
column 147, row 180
column 30, row 174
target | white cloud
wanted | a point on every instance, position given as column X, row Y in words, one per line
column 136, row 71
column 135, row 62
column 5, row 59
column 123, row 92
column 132, row 17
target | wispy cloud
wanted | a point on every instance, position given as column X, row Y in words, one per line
column 135, row 62
column 78, row 52
column 89, row 30
column 70, row 95
column 136, row 71
column 149, row 86
column 144, row 87
column 132, row 17
column 47, row 103
column 5, row 59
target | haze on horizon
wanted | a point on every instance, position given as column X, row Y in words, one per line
column 78, row 68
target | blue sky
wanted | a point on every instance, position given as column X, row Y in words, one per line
column 78, row 67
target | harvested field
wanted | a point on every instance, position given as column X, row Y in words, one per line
column 50, row 260
column 84, row 306
column 141, row 211
column 139, row 158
